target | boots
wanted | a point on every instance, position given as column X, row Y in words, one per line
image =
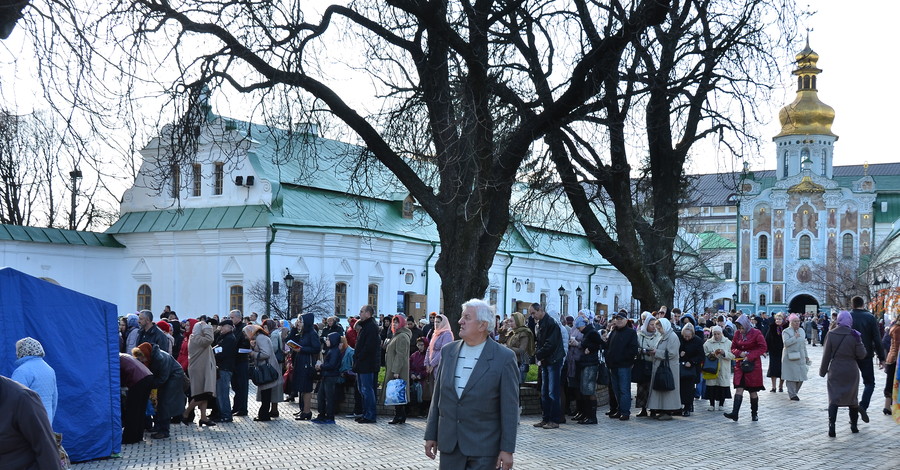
column 399, row 415
column 832, row 417
column 580, row 411
column 754, row 407
column 854, row 417
column 590, row 414
column 736, row 409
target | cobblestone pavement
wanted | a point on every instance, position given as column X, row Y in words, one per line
column 788, row 435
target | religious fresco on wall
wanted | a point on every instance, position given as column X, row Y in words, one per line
column 831, row 258
column 745, row 293
column 778, row 270
column 745, row 223
column 778, row 257
column 745, row 255
column 778, row 220
column 762, row 219
column 804, row 274
column 864, row 243
column 806, row 218
column 832, row 218
column 777, row 294
column 849, row 220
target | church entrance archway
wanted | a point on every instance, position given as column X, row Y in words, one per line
column 803, row 303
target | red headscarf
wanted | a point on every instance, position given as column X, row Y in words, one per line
column 190, row 327
column 145, row 349
column 401, row 323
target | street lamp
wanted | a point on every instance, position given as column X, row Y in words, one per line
column 734, row 299
column 75, row 175
column 288, row 283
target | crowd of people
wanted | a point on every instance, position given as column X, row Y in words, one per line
column 177, row 371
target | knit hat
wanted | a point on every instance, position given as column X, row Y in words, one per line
column 164, row 325
column 580, row 321
column 28, row 346
column 146, row 349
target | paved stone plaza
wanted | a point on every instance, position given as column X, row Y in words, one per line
column 789, row 435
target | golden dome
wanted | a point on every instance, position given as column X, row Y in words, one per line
column 806, row 185
column 807, row 114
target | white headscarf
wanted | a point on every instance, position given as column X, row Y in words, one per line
column 665, row 325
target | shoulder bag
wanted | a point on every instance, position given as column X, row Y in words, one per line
column 710, row 365
column 664, row 381
column 263, row 373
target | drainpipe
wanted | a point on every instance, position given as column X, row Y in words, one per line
column 590, row 288
column 269, row 271
column 506, row 277
column 737, row 272
column 427, row 272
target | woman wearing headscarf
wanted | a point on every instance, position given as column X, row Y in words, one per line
column 748, row 345
column 441, row 335
column 648, row 338
column 718, row 347
column 663, row 403
column 775, row 345
column 794, row 360
column 521, row 342
column 890, row 362
column 33, row 372
column 264, row 352
column 691, row 359
column 396, row 363
column 132, row 330
column 305, row 352
column 168, row 380
column 843, row 347
column 184, row 357
column 202, row 371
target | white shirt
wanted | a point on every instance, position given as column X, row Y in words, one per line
column 465, row 363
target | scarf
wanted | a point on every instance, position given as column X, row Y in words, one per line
column 521, row 329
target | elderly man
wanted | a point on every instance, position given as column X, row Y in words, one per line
column 620, row 346
column 550, row 352
column 240, row 376
column 475, row 406
column 150, row 333
column 367, row 362
column 226, row 355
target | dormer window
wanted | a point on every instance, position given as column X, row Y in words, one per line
column 408, row 207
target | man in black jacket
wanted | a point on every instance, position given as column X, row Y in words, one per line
column 150, row 333
column 240, row 377
column 226, row 352
column 621, row 347
column 865, row 323
column 549, row 353
column 366, row 362
column 588, row 364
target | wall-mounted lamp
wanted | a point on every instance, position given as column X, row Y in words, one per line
column 527, row 281
column 424, row 273
column 562, row 291
column 402, row 271
column 578, row 291
column 515, row 280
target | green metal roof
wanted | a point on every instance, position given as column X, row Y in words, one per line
column 714, row 241
column 893, row 207
column 58, row 236
column 207, row 218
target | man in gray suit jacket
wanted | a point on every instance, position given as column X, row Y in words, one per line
column 475, row 408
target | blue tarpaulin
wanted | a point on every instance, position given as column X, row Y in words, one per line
column 80, row 338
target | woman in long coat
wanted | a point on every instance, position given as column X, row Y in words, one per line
column 396, row 363
column 662, row 403
column 718, row 347
column 775, row 345
column 263, row 351
column 303, row 363
column 648, row 338
column 691, row 360
column 795, row 359
column 521, row 342
column 168, row 380
column 843, row 347
column 748, row 345
column 202, row 371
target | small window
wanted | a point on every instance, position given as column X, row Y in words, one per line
column 580, row 298
column 492, row 297
column 804, row 246
column 236, row 298
column 847, row 245
column 763, row 275
column 726, row 270
column 143, row 297
column 784, row 164
column 544, row 301
column 763, row 247
column 340, row 298
column 176, row 181
column 197, row 180
column 373, row 296
column 296, row 298
column 564, row 304
column 408, row 207
column 219, row 175
column 762, row 300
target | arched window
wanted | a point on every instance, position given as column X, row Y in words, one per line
column 373, row 296
column 804, row 246
column 544, row 300
column 176, row 182
column 296, row 297
column 236, row 298
column 340, row 299
column 143, row 297
column 824, row 161
column 784, row 164
column 762, row 300
column 847, row 245
column 763, row 247
column 763, row 275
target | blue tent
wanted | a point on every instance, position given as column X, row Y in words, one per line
column 80, row 338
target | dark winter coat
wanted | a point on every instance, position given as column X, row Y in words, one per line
column 753, row 342
column 775, row 345
column 548, row 344
column 153, row 335
column 842, row 349
column 331, row 364
column 692, row 360
column 368, row 348
column 168, row 379
column 865, row 323
column 591, row 344
column 621, row 348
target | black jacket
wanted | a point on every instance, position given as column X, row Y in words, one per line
column 367, row 355
column 621, row 348
column 242, row 343
column 865, row 323
column 548, row 345
column 154, row 336
column 593, row 343
column 693, row 353
column 225, row 359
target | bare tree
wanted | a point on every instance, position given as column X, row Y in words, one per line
column 314, row 296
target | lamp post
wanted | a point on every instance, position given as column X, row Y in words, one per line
column 734, row 299
column 562, row 292
column 288, row 283
column 578, row 292
column 75, row 175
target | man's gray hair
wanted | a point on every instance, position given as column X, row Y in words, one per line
column 483, row 310
column 147, row 314
column 235, row 312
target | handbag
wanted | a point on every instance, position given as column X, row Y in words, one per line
column 641, row 371
column 603, row 374
column 793, row 355
column 263, row 373
column 395, row 392
column 710, row 365
column 664, row 381
column 747, row 365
